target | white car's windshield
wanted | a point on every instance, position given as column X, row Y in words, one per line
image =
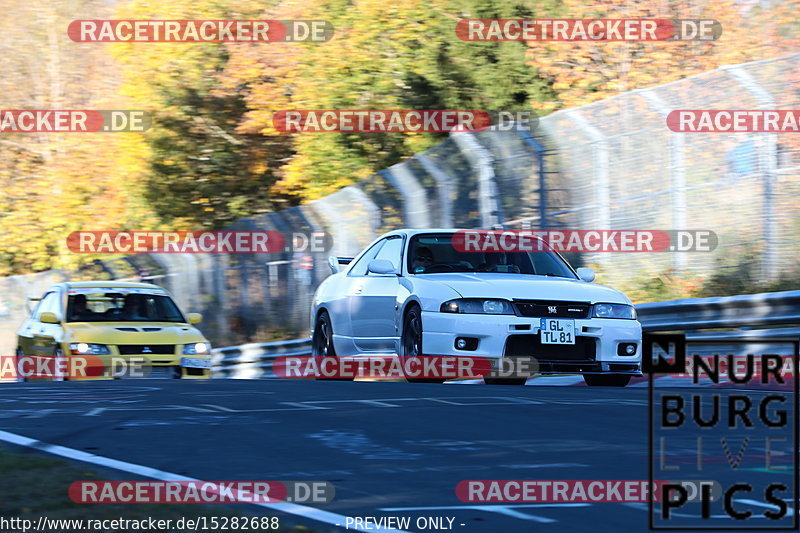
column 119, row 307
column 435, row 253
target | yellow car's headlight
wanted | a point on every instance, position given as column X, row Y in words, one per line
column 197, row 348
column 82, row 348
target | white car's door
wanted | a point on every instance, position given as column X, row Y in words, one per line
column 338, row 302
column 373, row 300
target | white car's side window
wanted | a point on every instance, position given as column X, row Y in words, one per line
column 391, row 251
column 360, row 266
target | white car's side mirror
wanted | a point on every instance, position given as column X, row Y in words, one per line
column 333, row 263
column 586, row 274
column 381, row 266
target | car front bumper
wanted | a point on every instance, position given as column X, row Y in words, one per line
column 504, row 337
column 142, row 365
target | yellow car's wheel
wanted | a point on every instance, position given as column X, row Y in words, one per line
column 58, row 355
column 20, row 355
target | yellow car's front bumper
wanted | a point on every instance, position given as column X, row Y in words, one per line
column 137, row 366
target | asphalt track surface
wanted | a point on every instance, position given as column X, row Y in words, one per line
column 390, row 449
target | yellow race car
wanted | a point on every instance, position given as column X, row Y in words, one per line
column 127, row 329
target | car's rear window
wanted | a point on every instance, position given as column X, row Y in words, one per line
column 115, row 305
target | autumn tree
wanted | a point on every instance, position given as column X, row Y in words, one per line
column 199, row 171
column 383, row 56
column 584, row 72
column 54, row 183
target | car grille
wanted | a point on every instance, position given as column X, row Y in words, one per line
column 161, row 372
column 584, row 349
column 551, row 309
column 138, row 349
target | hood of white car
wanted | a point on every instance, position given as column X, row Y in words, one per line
column 527, row 287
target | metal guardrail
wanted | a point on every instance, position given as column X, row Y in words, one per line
column 254, row 360
column 750, row 310
column 743, row 335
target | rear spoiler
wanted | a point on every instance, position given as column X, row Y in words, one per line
column 335, row 263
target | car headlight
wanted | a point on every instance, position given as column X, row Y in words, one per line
column 477, row 306
column 614, row 311
column 82, row 348
column 197, row 348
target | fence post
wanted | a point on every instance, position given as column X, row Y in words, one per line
column 602, row 190
column 539, row 150
column 677, row 172
column 768, row 164
column 444, row 188
column 482, row 160
column 221, row 293
column 415, row 202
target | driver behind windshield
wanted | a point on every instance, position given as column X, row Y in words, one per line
column 423, row 258
column 80, row 311
column 134, row 308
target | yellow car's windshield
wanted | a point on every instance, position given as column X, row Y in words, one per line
column 121, row 307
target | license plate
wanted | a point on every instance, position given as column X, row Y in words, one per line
column 557, row 331
column 194, row 362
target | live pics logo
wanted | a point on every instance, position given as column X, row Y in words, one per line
column 724, row 416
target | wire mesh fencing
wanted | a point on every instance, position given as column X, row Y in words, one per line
column 609, row 165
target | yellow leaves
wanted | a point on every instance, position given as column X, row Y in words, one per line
column 657, row 56
column 582, row 72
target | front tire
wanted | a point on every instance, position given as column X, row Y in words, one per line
column 411, row 342
column 322, row 345
column 611, row 380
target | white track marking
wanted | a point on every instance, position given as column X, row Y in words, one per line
column 506, row 510
column 145, row 471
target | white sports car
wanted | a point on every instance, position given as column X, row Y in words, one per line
column 413, row 293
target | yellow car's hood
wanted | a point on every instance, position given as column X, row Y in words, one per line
column 132, row 333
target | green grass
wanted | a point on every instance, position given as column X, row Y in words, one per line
column 34, row 485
